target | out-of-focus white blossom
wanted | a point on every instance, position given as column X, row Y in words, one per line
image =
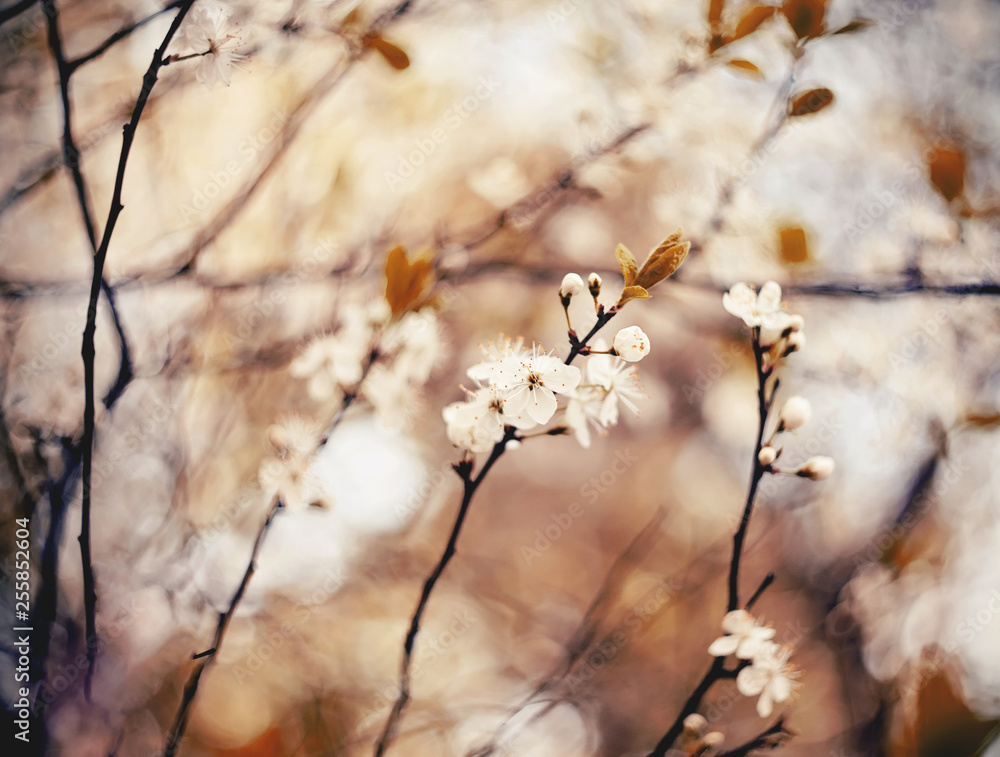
column 770, row 676
column 631, row 344
column 817, row 468
column 761, row 310
column 210, row 35
column 767, row 455
column 795, row 413
column 286, row 474
column 571, row 285
column 744, row 636
column 331, row 363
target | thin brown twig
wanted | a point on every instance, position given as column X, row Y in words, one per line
column 206, row 658
column 717, row 671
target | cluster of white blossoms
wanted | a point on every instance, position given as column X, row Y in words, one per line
column 402, row 352
column 780, row 334
column 518, row 387
column 285, row 473
column 209, row 34
column 768, row 675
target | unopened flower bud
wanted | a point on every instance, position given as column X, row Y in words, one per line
column 631, row 345
column 594, row 282
column 796, row 413
column 795, row 342
column 796, row 323
column 572, row 285
column 816, row 468
column 767, row 455
column 713, row 740
column 695, row 724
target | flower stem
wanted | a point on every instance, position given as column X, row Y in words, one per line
column 471, row 485
column 718, row 671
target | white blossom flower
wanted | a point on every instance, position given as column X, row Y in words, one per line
column 286, row 474
column 763, row 309
column 795, row 413
column 330, row 363
column 571, row 285
column 532, row 382
column 493, row 353
column 583, row 411
column 619, row 382
column 631, row 344
column 415, row 345
column 816, row 468
column 770, row 676
column 744, row 636
column 206, row 33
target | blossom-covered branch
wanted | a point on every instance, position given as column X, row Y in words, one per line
column 762, row 667
column 518, row 388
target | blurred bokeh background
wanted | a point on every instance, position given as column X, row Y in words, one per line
column 848, row 150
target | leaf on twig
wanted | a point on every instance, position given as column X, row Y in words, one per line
column 752, row 20
column 794, row 247
column 405, row 281
column 947, row 171
column 633, row 293
column 394, row 55
column 628, row 264
column 857, row 25
column 805, row 17
column 746, row 67
column 812, row 101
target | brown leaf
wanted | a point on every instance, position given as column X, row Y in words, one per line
column 661, row 263
column 794, row 248
column 746, row 67
column 405, row 281
column 812, row 101
column 947, row 171
column 805, row 17
column 393, row 55
column 633, row 293
column 857, row 25
column 715, row 13
column 752, row 20
column 628, row 264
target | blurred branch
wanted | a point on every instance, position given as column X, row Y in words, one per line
column 583, row 637
column 120, row 35
column 15, row 10
column 464, row 470
column 718, row 671
column 207, row 657
column 328, row 82
column 769, row 739
column 71, row 157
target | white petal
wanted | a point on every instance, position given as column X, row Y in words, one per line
column 737, row 621
column 541, row 405
column 780, row 688
column 724, row 646
column 751, row 681
column 764, row 705
column 769, row 299
column 561, row 378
